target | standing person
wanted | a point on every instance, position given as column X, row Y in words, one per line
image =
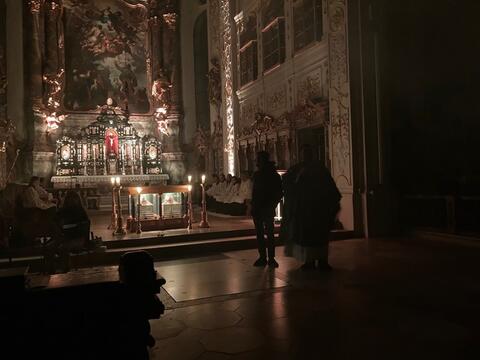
column 312, row 202
column 75, row 221
column 266, row 193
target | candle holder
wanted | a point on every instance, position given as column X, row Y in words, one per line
column 112, row 225
column 190, row 198
column 204, row 222
column 139, row 225
column 119, row 230
column 190, row 208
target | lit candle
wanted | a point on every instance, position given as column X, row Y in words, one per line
column 94, row 160
column 140, row 158
column 189, row 188
column 117, row 180
column 123, row 158
column 203, row 179
column 189, row 179
column 104, row 159
column 112, row 179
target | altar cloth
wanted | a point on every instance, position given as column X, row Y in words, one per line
column 68, row 182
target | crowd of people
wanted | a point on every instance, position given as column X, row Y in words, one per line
column 230, row 194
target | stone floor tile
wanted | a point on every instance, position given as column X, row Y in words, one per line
column 177, row 349
column 233, row 340
column 165, row 328
column 208, row 355
column 209, row 319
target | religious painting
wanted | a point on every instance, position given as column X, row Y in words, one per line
column 105, row 54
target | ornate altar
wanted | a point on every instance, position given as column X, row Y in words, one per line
column 108, row 146
column 159, row 207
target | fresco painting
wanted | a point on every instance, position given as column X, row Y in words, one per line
column 105, row 54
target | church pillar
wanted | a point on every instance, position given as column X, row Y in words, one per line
column 40, row 150
column 173, row 156
column 339, row 107
column 15, row 92
column 52, row 10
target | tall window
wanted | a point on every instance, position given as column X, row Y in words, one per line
column 248, row 51
column 307, row 22
column 273, row 33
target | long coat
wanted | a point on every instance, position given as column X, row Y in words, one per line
column 311, row 203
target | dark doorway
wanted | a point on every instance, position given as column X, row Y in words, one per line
column 315, row 137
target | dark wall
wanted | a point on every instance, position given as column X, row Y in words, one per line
column 431, row 81
column 200, row 43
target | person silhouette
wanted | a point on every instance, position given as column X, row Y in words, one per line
column 311, row 203
column 266, row 194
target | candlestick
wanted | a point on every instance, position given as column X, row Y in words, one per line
column 140, row 156
column 204, row 221
column 123, row 158
column 104, row 159
column 190, row 207
column 85, row 157
column 119, row 230
column 139, row 225
column 112, row 220
column 134, row 156
column 94, row 161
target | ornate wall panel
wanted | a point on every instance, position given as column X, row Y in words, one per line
column 339, row 92
column 276, row 100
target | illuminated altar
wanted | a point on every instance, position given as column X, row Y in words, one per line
column 108, row 146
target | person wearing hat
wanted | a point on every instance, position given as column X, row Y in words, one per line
column 266, row 194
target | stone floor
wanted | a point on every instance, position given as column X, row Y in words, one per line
column 385, row 299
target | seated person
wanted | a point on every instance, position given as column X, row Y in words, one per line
column 225, row 190
column 220, row 188
column 211, row 191
column 35, row 197
column 74, row 218
column 233, row 190
column 244, row 194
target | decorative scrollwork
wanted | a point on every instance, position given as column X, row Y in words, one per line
column 171, row 20
column 35, row 6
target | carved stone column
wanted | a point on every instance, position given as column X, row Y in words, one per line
column 339, row 106
column 52, row 12
column 36, row 50
column 155, row 45
column 173, row 155
column 44, row 61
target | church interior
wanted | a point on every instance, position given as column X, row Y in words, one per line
column 168, row 124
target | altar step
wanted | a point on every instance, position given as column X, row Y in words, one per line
column 165, row 248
